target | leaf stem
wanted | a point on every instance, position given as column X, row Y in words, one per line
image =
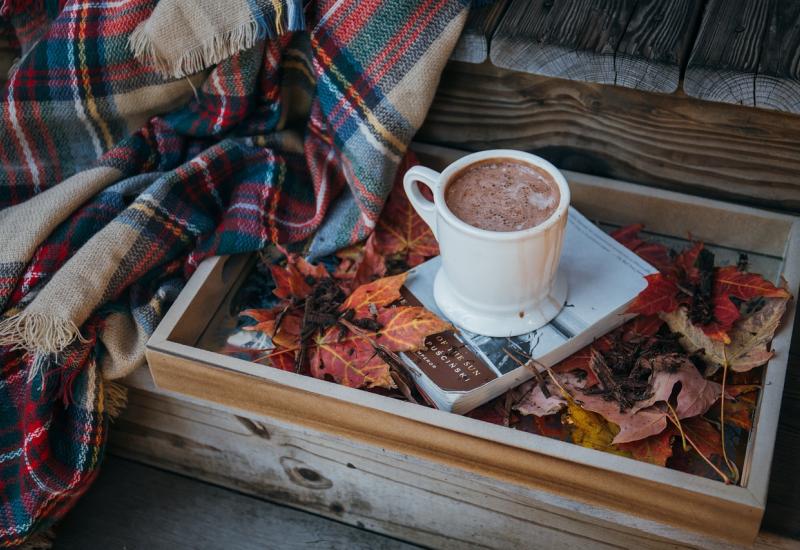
column 720, row 473
column 731, row 467
column 677, row 422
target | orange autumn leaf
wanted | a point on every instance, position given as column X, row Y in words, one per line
column 360, row 264
column 351, row 362
column 264, row 318
column 351, row 358
column 379, row 293
column 406, row 327
column 295, row 279
column 401, row 231
column 288, row 332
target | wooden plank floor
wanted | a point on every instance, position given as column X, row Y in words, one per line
column 133, row 506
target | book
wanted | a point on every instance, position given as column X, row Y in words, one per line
column 459, row 370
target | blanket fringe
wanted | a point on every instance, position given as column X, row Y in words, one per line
column 218, row 48
column 38, row 332
column 115, row 398
column 39, row 541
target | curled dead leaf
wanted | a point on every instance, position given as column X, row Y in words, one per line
column 749, row 339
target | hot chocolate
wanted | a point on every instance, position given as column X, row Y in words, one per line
column 502, row 195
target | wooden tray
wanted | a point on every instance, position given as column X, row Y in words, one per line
column 580, row 482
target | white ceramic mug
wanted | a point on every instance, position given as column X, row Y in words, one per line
column 490, row 282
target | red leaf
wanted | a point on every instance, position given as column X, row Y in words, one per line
column 288, row 333
column 264, row 318
column 351, row 362
column 655, row 254
column 291, row 279
column 283, row 360
column 643, row 326
column 655, row 449
column 360, row 264
column 704, row 435
column 729, row 281
column 687, row 258
column 661, row 295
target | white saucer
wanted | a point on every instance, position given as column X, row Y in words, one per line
column 520, row 321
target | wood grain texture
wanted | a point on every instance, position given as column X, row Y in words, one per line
column 656, row 44
column 675, row 142
column 574, row 39
column 473, row 45
column 136, row 506
column 777, row 84
column 726, row 54
column 366, row 486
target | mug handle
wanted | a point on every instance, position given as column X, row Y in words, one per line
column 425, row 208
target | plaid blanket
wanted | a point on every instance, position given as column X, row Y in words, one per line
column 119, row 173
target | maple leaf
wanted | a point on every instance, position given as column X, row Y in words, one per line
column 380, row 293
column 655, row 254
column 661, row 295
column 296, row 278
column 352, row 359
column 749, row 338
column 696, row 393
column 352, row 362
column 641, row 327
column 360, row 264
column 706, row 438
column 402, row 232
column 288, row 331
column 655, row 449
column 729, row 281
column 405, row 328
column 686, row 261
column 264, row 318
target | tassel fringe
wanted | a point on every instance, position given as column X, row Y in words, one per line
column 219, row 46
column 115, row 398
column 194, row 60
column 38, row 332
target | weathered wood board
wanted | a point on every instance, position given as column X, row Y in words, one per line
column 675, row 142
column 473, row 45
column 777, row 84
column 748, row 52
column 636, row 44
column 574, row 39
column 137, row 507
column 656, row 43
column 725, row 57
column 374, row 488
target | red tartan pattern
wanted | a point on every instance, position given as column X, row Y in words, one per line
column 232, row 170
